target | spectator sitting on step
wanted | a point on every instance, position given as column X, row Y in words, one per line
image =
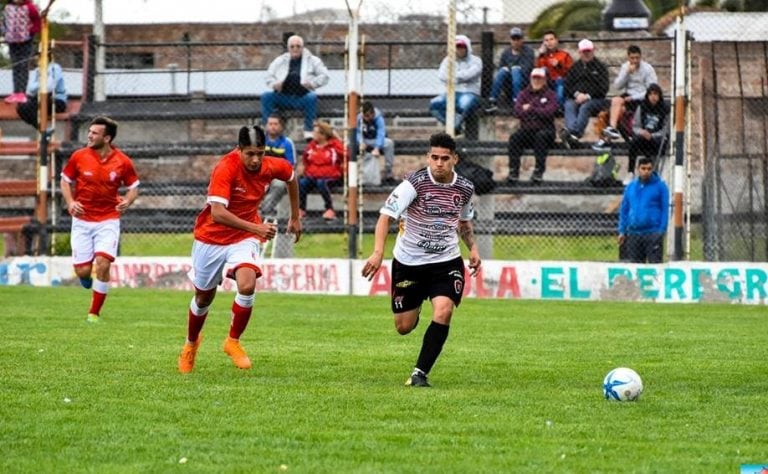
column 57, row 92
column 536, row 107
column 324, row 160
column 585, row 88
column 556, row 61
column 276, row 145
column 293, row 77
column 635, row 76
column 515, row 66
column 649, row 129
column 372, row 134
column 467, row 75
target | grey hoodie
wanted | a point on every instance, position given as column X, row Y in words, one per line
column 468, row 70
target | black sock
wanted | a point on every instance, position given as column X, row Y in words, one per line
column 431, row 346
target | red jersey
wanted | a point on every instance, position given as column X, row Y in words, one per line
column 241, row 191
column 97, row 181
column 564, row 63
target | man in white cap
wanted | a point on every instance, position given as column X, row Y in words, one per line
column 585, row 88
column 515, row 65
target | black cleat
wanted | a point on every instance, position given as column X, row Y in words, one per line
column 417, row 379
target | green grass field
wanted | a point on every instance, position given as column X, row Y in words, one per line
column 594, row 248
column 517, row 389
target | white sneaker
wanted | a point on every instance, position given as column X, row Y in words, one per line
column 628, row 179
column 611, row 132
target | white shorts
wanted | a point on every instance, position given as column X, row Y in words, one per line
column 89, row 239
column 209, row 261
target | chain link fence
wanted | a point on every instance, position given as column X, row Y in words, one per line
column 181, row 98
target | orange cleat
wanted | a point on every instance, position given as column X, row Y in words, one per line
column 188, row 354
column 234, row 350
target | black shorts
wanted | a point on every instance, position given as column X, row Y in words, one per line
column 411, row 285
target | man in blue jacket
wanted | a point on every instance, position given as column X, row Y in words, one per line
column 644, row 216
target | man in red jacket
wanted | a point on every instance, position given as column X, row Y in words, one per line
column 323, row 160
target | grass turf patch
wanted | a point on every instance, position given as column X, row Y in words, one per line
column 517, row 389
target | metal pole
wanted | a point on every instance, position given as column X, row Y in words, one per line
column 450, row 90
column 353, row 98
column 41, row 210
column 99, row 92
column 680, row 108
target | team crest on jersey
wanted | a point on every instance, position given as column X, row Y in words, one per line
column 457, row 200
column 112, row 175
column 458, row 286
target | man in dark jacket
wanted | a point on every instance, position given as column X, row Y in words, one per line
column 585, row 88
column 515, row 65
column 644, row 216
column 536, row 107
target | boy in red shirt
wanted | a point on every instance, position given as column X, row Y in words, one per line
column 229, row 233
column 556, row 61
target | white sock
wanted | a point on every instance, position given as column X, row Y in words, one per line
column 100, row 286
column 197, row 310
column 245, row 301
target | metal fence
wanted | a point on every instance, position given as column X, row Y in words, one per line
column 180, row 104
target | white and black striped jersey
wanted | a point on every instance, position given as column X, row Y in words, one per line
column 429, row 214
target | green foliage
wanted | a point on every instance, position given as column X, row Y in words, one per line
column 517, row 388
column 575, row 15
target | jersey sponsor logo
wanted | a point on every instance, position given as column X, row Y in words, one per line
column 87, row 173
column 431, row 246
column 405, row 284
column 438, row 226
column 240, row 189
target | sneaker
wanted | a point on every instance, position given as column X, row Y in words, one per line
column 234, row 350
column 417, row 379
column 611, row 132
column 537, row 177
column 188, row 354
column 492, row 106
column 16, row 98
column 329, row 215
column 92, row 318
column 86, row 283
column 602, row 145
column 569, row 139
column 628, row 179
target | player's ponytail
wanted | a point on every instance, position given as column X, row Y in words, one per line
column 251, row 136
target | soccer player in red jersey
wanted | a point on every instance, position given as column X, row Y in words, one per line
column 229, row 233
column 434, row 205
column 97, row 172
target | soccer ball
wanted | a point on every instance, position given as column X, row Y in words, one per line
column 622, row 384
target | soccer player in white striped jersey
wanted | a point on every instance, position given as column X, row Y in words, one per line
column 434, row 205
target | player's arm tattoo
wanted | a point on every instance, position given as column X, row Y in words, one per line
column 466, row 233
